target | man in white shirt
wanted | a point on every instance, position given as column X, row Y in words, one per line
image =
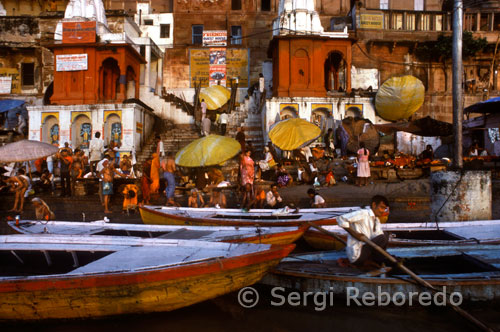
column 316, row 200
column 273, row 198
column 96, row 148
column 223, row 119
column 366, row 222
column 160, row 150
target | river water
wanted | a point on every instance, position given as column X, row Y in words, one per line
column 225, row 314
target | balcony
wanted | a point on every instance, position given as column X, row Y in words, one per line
column 423, row 25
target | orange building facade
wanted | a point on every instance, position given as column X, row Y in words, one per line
column 310, row 66
column 112, row 74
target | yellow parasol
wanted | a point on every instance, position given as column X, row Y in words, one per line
column 207, row 151
column 294, row 133
column 215, row 96
column 399, row 97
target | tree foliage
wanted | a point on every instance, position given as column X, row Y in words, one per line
column 441, row 49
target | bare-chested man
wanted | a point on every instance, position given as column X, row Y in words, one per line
column 18, row 185
column 107, row 175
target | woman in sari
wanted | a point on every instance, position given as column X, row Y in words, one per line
column 247, row 168
column 155, row 174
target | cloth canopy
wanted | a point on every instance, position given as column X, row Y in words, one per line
column 423, row 127
column 488, row 106
column 207, row 151
column 8, row 104
column 399, row 97
column 215, row 96
column 291, row 134
column 26, row 150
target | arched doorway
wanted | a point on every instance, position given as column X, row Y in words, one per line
column 131, row 81
column 109, row 76
column 354, row 112
column 50, row 130
column 81, row 132
column 288, row 112
column 335, row 72
column 322, row 118
column 113, row 129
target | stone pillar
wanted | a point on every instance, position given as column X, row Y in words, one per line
column 147, row 67
column 460, row 195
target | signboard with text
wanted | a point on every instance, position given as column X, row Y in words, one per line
column 5, row 84
column 214, row 37
column 13, row 76
column 236, row 60
column 71, row 62
column 79, row 32
column 370, row 20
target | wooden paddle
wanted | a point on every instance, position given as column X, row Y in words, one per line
column 399, row 264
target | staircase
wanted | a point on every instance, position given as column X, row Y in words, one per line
column 166, row 108
column 252, row 124
column 174, row 139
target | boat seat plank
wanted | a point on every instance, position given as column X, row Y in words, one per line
column 67, row 230
column 61, row 247
column 480, row 232
column 140, row 258
column 185, row 234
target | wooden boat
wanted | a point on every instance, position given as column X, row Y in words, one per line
column 160, row 215
column 61, row 276
column 418, row 234
column 471, row 271
column 249, row 234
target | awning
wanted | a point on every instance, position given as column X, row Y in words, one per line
column 488, row 106
column 8, row 104
column 423, row 127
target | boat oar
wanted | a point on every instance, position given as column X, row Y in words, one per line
column 324, row 231
column 399, row 264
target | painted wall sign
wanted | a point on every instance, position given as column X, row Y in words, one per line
column 138, row 127
column 79, row 32
column 71, row 62
column 214, row 38
column 15, row 78
column 217, row 65
column 370, row 20
column 322, row 107
column 5, row 84
column 236, row 66
column 354, row 106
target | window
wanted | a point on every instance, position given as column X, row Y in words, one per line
column 197, row 34
column 384, row 4
column 27, row 74
column 148, row 22
column 235, row 4
column 236, row 35
column 419, row 5
column 164, row 30
column 265, row 5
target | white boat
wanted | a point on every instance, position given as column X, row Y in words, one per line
column 249, row 234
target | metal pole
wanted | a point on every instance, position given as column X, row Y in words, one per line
column 458, row 107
